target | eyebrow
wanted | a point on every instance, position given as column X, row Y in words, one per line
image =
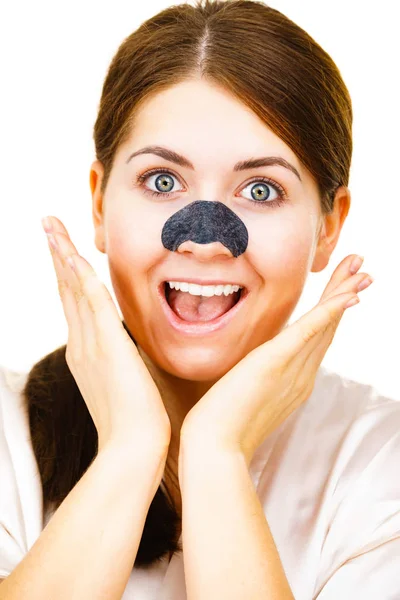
column 251, row 163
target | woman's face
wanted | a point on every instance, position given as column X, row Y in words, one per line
column 213, row 130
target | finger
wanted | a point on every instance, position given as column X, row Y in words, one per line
column 107, row 322
column 66, row 293
column 97, row 300
column 317, row 348
column 301, row 338
column 342, row 279
column 99, row 316
column 83, row 333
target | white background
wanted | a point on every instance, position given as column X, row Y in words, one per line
column 54, row 57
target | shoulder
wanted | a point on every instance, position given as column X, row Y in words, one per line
column 21, row 492
column 14, row 421
column 11, row 386
column 348, row 415
column 13, row 409
column 356, row 419
column 364, row 428
column 342, row 421
column 340, row 447
column 328, row 480
column 343, row 399
column 362, row 488
column 11, row 379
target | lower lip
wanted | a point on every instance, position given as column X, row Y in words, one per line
column 200, row 327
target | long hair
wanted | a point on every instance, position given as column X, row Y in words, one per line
column 277, row 70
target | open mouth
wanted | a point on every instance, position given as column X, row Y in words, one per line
column 236, row 295
column 204, row 321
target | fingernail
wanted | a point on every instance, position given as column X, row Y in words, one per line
column 352, row 302
column 356, row 264
column 71, row 263
column 365, row 283
column 46, row 224
column 52, row 241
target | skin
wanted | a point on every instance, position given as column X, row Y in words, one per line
column 286, row 242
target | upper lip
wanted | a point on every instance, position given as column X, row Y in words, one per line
column 206, row 281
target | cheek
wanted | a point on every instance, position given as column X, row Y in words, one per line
column 280, row 257
column 133, row 244
column 132, row 253
column 288, row 263
column 280, row 251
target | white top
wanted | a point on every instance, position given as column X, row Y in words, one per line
column 327, row 478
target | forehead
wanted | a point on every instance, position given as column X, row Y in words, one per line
column 207, row 123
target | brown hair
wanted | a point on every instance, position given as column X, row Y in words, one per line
column 275, row 68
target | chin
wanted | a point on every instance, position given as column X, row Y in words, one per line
column 199, row 364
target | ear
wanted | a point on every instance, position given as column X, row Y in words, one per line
column 330, row 228
column 96, row 177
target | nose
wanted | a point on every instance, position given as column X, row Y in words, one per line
column 205, row 251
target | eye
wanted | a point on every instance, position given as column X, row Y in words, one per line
column 261, row 194
column 163, row 182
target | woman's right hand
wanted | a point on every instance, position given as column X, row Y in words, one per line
column 121, row 396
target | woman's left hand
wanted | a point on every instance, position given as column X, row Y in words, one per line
column 269, row 383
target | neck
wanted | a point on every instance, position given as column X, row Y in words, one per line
column 179, row 396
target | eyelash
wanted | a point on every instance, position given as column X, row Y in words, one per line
column 281, row 199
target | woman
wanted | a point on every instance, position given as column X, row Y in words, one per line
column 167, row 456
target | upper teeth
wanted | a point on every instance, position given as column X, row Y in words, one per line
column 204, row 290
